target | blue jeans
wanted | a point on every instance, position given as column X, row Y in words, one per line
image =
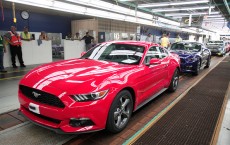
column 1, row 60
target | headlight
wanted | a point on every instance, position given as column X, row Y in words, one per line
column 90, row 97
column 220, row 49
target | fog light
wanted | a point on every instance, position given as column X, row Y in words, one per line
column 82, row 122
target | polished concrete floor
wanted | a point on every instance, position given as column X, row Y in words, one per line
column 9, row 101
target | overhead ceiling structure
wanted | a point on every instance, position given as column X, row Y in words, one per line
column 213, row 13
column 159, row 13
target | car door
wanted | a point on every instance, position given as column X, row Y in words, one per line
column 154, row 77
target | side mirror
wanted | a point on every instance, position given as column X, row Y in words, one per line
column 83, row 53
column 154, row 61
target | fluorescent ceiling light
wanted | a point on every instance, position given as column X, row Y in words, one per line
column 215, row 19
column 115, row 8
column 214, row 16
column 67, row 7
column 217, row 22
column 127, row 0
column 187, row 14
column 180, row 9
column 40, row 3
column 173, row 3
column 104, row 5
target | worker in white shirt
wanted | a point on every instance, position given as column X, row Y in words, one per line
column 149, row 38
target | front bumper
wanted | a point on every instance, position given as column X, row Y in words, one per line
column 217, row 52
column 188, row 67
column 57, row 130
column 58, row 119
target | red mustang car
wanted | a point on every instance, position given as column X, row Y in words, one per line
column 100, row 90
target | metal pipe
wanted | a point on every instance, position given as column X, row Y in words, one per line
column 226, row 5
column 147, row 10
column 190, row 20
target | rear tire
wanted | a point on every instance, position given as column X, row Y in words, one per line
column 174, row 81
column 120, row 112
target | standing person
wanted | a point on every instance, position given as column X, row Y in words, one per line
column 88, row 41
column 178, row 38
column 2, row 51
column 14, row 41
column 149, row 38
column 165, row 41
column 25, row 35
column 43, row 36
column 77, row 36
column 69, row 36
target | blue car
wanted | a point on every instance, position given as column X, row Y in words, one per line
column 193, row 56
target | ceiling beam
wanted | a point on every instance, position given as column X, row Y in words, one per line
column 181, row 9
column 162, row 4
column 146, row 10
column 227, row 7
column 187, row 14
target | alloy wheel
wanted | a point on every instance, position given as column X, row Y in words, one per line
column 175, row 80
column 122, row 112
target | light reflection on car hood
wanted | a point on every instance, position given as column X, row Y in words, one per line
column 75, row 72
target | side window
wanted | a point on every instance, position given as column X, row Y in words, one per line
column 153, row 52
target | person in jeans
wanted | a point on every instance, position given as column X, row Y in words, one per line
column 2, row 51
column 88, row 41
column 14, row 40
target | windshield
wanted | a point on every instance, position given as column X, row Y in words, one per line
column 186, row 47
column 220, row 43
column 120, row 53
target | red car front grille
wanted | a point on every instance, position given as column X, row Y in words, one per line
column 41, row 97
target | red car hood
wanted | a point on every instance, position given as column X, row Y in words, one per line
column 74, row 74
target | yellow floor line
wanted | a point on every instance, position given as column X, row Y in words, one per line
column 8, row 72
column 11, row 78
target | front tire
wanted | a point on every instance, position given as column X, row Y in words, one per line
column 120, row 112
column 208, row 62
column 174, row 81
column 197, row 68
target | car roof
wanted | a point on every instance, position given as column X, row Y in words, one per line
column 139, row 43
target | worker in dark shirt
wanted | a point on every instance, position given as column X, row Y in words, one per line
column 88, row 41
